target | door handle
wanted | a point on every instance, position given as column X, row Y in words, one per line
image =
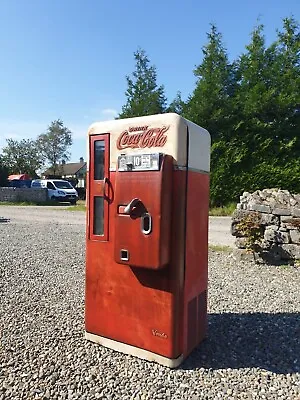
column 105, row 181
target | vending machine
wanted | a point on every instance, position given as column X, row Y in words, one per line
column 147, row 236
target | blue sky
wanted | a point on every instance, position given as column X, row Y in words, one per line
column 68, row 59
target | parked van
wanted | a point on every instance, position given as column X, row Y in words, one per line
column 58, row 189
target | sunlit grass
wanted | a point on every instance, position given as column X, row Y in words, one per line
column 222, row 211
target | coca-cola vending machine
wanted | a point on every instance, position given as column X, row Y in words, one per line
column 147, row 236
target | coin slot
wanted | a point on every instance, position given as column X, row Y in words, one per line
column 124, row 255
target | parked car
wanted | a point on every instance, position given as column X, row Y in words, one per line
column 16, row 183
column 58, row 189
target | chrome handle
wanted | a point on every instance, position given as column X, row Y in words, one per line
column 105, row 181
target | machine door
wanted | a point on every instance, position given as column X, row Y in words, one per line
column 143, row 210
column 99, row 187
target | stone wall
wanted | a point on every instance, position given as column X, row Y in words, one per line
column 268, row 223
column 23, row 194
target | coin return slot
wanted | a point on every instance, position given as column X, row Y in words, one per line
column 146, row 224
column 124, row 255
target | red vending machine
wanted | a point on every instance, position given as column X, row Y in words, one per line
column 147, row 236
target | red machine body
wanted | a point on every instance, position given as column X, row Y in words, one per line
column 147, row 236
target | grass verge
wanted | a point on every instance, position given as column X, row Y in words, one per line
column 27, row 203
column 222, row 211
column 80, row 206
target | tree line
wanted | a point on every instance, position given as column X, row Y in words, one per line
column 250, row 106
column 29, row 155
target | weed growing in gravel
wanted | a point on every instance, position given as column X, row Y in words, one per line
column 251, row 229
column 215, row 247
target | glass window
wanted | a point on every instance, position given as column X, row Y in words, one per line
column 63, row 184
column 50, row 186
column 99, row 159
column 98, row 216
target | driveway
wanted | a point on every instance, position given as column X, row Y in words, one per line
column 219, row 227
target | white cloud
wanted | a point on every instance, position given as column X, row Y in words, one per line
column 79, row 131
column 97, row 114
column 109, row 111
column 21, row 129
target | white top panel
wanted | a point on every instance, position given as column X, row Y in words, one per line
column 161, row 133
column 199, row 147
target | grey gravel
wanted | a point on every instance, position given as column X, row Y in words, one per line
column 252, row 350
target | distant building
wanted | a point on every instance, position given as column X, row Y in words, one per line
column 19, row 177
column 70, row 171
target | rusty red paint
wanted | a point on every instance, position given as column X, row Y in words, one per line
column 145, row 307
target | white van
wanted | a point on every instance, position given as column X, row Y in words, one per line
column 58, row 189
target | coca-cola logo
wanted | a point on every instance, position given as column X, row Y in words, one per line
column 145, row 137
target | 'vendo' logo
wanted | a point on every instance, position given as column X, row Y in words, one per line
column 162, row 335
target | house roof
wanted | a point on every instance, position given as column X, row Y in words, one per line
column 20, row 177
column 66, row 169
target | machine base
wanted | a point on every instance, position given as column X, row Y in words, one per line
column 134, row 351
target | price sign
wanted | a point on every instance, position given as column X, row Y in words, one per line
column 139, row 162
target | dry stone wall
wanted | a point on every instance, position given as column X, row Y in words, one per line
column 38, row 195
column 268, row 223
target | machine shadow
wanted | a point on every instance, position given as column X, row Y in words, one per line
column 249, row 340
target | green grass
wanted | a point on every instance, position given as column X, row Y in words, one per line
column 80, row 206
column 216, row 247
column 27, row 203
column 222, row 211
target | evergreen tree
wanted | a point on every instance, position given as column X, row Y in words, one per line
column 209, row 104
column 177, row 105
column 144, row 96
column 266, row 103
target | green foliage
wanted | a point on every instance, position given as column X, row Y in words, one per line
column 3, row 173
column 144, row 96
column 250, row 227
column 250, row 106
column 21, row 157
column 209, row 105
column 260, row 146
column 53, row 145
column 177, row 105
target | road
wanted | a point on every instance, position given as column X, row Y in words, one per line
column 219, row 227
column 219, row 231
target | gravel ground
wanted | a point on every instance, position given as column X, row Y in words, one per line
column 252, row 351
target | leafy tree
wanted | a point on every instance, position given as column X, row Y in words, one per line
column 54, row 144
column 21, row 157
column 3, row 173
column 209, row 104
column 144, row 96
